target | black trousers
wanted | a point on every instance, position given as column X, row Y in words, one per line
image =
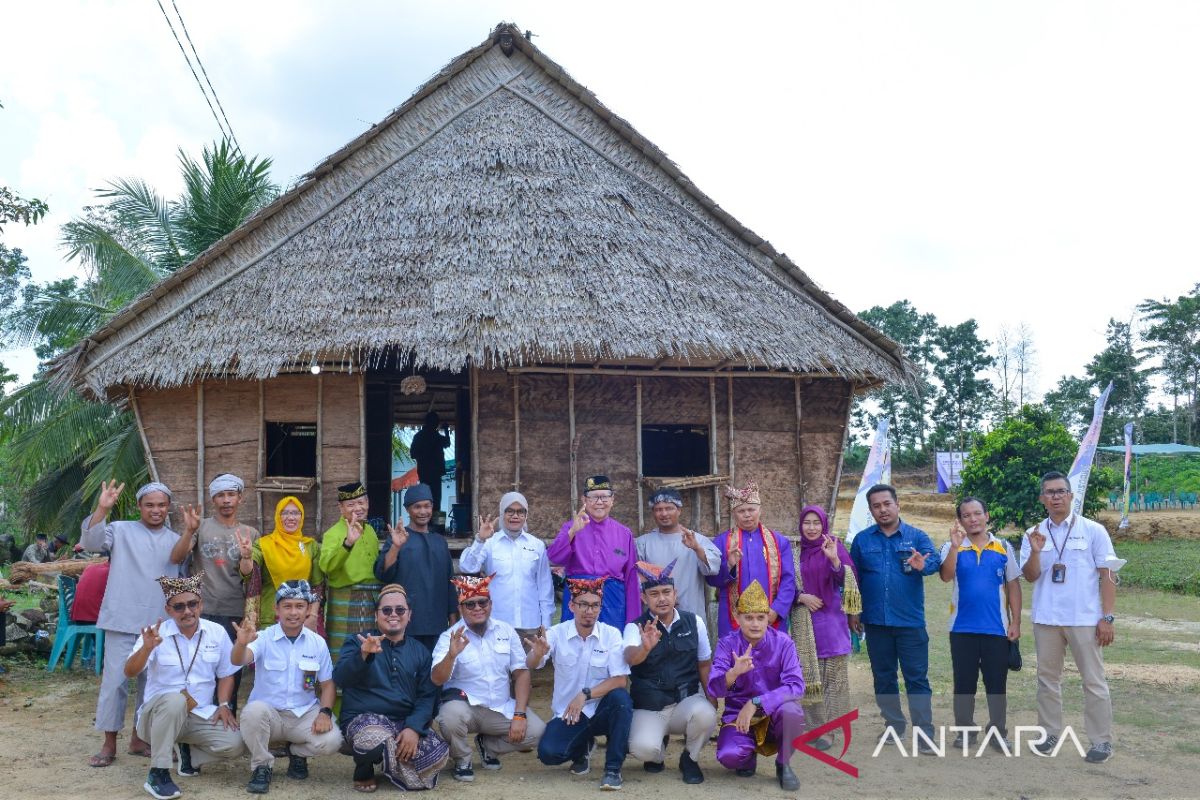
column 970, row 655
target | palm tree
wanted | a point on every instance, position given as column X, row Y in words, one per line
column 62, row 445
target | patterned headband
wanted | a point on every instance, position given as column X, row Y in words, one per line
column 654, row 575
column 174, row 586
column 580, row 586
column 295, row 590
column 469, row 586
column 747, row 495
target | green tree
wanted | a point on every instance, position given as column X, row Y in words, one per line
column 963, row 397
column 1121, row 364
column 906, row 408
column 1173, row 335
column 1006, row 467
column 1071, row 402
column 61, row 446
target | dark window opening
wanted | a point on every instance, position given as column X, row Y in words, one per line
column 292, row 449
column 675, row 451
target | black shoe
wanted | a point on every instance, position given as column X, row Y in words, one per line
column 747, row 772
column 260, row 781
column 489, row 760
column 1047, row 747
column 611, row 781
column 891, row 733
column 787, row 779
column 689, row 769
column 297, row 768
column 183, row 765
column 583, row 764
column 960, row 739
column 159, row 784
column 1099, row 753
column 463, row 771
column 822, row 743
column 653, row 766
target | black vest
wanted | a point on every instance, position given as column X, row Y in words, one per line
column 670, row 672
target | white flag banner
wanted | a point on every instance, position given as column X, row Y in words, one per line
column 1081, row 470
column 877, row 470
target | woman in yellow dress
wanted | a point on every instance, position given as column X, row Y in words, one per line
column 287, row 554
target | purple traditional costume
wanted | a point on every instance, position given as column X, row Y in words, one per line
column 818, row 577
column 606, row 550
column 776, row 680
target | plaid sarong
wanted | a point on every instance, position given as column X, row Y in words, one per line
column 368, row 731
column 348, row 611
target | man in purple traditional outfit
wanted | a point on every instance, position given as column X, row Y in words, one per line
column 752, row 552
column 594, row 545
column 757, row 672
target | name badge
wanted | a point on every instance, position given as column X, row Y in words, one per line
column 1058, row 573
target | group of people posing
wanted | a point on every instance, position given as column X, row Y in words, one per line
column 371, row 644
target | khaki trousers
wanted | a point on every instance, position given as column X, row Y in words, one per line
column 1051, row 642
column 693, row 716
column 164, row 721
column 458, row 719
column 262, row 725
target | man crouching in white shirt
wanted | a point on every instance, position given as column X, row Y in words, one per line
column 473, row 661
column 292, row 699
column 186, row 660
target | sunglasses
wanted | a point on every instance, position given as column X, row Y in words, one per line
column 393, row 611
column 481, row 602
column 190, row 605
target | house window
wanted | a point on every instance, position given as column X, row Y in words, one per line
column 675, row 451
column 292, row 449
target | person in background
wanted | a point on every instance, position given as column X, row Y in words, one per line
column 89, row 593
column 694, row 555
column 38, row 551
column 428, row 449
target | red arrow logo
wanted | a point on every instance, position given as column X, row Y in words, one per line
column 801, row 742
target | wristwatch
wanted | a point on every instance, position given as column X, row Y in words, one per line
column 1109, row 618
column 757, row 700
column 225, row 704
column 587, row 693
column 325, row 710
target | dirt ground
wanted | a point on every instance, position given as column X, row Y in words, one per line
column 46, row 733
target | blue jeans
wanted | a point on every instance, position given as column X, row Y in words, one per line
column 614, row 716
column 887, row 646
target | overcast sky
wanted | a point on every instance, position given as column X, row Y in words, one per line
column 1014, row 162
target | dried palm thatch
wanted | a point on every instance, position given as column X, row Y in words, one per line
column 500, row 217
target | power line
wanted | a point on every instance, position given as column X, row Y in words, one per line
column 204, row 72
column 224, row 133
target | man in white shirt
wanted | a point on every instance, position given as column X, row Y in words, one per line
column 695, row 555
column 669, row 655
column 590, row 676
column 1074, row 596
column 293, row 695
column 522, row 588
column 186, row 660
column 474, row 661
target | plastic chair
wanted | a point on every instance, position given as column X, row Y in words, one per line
column 68, row 634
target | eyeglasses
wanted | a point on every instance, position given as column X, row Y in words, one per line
column 190, row 605
column 393, row 611
column 515, row 512
column 481, row 602
column 290, row 514
column 599, row 498
column 1055, row 492
column 585, row 606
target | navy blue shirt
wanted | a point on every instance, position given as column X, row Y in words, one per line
column 891, row 596
column 395, row 683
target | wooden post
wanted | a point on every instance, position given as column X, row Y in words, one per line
column 712, row 451
column 320, row 476
column 841, row 456
column 200, row 445
column 474, row 442
column 800, row 484
column 137, row 416
column 516, row 433
column 572, row 443
column 640, row 499
column 262, row 448
column 732, row 474
column 362, row 428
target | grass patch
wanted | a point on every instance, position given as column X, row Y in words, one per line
column 1169, row 565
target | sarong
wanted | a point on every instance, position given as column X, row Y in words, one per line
column 366, row 732
column 349, row 610
column 612, row 602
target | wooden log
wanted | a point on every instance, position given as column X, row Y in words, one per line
column 137, row 416
column 712, row 451
column 320, row 447
column 23, row 571
column 638, row 431
column 516, row 433
column 200, row 446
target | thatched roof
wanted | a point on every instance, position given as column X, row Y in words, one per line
column 502, row 216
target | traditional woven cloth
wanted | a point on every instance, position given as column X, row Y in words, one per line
column 153, row 487
column 349, row 610
column 774, row 566
column 747, row 495
column 835, row 685
column 368, row 731
column 804, row 639
column 295, row 590
column 654, row 575
column 225, row 482
column 469, row 586
column 580, row 586
column 174, row 586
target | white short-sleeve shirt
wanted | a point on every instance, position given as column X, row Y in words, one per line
column 168, row 663
column 580, row 662
column 287, row 674
column 633, row 636
column 482, row 670
column 1086, row 548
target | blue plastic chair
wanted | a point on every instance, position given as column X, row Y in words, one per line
column 68, row 634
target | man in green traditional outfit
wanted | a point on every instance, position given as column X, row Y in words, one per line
column 348, row 553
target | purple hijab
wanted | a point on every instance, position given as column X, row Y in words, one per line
column 829, row 624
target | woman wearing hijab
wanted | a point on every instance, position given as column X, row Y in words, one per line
column 825, row 593
column 286, row 554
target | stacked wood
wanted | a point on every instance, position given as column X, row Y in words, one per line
column 23, row 571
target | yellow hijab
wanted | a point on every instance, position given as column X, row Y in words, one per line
column 288, row 556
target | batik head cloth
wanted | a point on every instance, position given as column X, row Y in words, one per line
column 667, row 495
column 295, row 590
column 654, row 575
column 597, row 483
column 746, row 496
column 580, row 586
column 469, row 586
column 154, row 486
column 350, row 491
column 226, row 482
column 753, row 600
column 174, row 586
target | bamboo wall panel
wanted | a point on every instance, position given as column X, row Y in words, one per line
column 605, row 422
column 231, row 438
column 495, row 439
column 764, row 414
column 684, row 401
column 169, row 416
column 340, row 431
column 826, row 413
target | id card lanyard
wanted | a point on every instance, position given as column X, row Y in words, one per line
column 175, row 641
column 1058, row 572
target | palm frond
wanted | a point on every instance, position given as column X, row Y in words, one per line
column 147, row 218
column 220, row 192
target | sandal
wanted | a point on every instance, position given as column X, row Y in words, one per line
column 102, row 760
column 143, row 753
column 366, row 787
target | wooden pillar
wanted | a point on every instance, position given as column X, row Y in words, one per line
column 573, row 444
column 262, row 449
column 137, row 417
column 517, row 432
column 474, row 441
column 320, row 526
column 841, row 456
column 713, row 467
column 640, row 498
column 200, row 446
column 732, row 472
column 362, row 428
column 801, row 486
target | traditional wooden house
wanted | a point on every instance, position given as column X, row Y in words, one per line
column 506, row 250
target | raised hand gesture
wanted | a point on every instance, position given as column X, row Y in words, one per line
column 354, row 529
column 191, row 519
column 916, row 560
column 398, row 534
column 957, row 535
column 830, row 549
column 109, row 492
column 689, row 539
column 369, row 644
column 485, row 527
column 246, row 632
column 538, row 643
column 245, row 543
column 1037, row 539
column 742, row 664
column 581, row 519
column 458, row 641
column 651, row 635
column 734, row 557
column 151, row 637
